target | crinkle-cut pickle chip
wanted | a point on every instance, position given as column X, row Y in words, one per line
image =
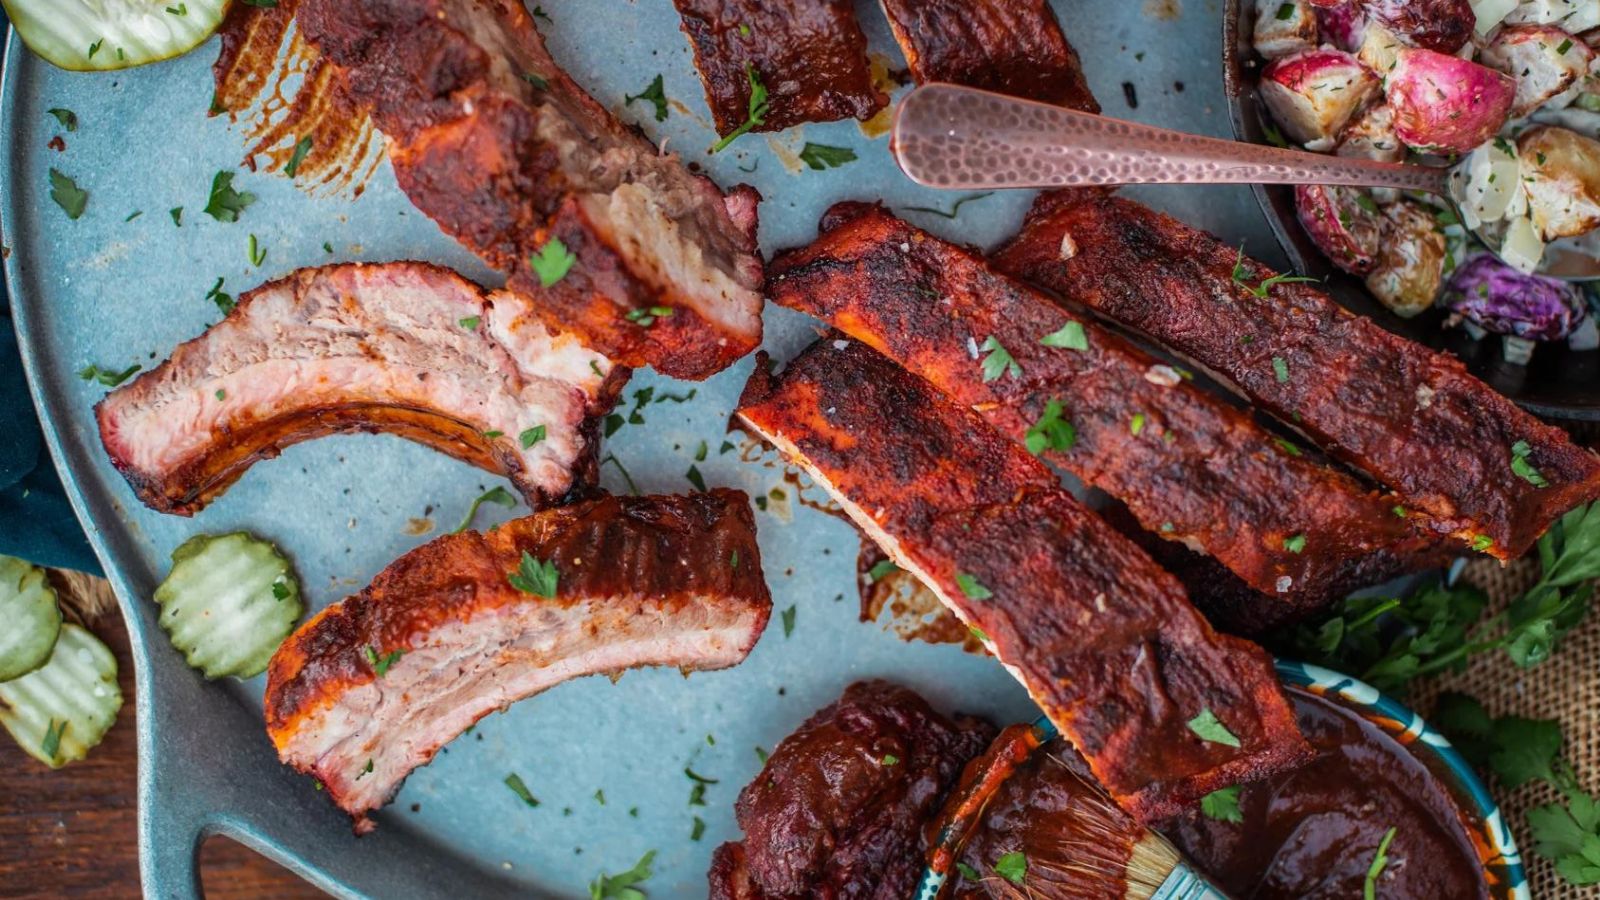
column 30, row 619
column 60, row 711
column 98, row 35
column 228, row 603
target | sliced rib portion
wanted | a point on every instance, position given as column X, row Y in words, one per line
column 1104, row 641
column 506, row 153
column 1191, row 467
column 1011, row 47
column 638, row 581
column 1412, row 418
column 839, row 807
column 810, row 55
column 405, row 348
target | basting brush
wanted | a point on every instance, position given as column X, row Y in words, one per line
column 1099, row 852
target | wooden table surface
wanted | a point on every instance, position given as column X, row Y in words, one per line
column 72, row 832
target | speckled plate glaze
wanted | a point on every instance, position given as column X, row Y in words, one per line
column 113, row 292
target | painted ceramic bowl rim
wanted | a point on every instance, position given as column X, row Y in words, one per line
column 1387, row 712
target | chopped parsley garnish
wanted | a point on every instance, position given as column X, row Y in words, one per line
column 998, row 362
column 280, row 591
column 1068, row 337
column 258, row 254
column 134, row 215
column 1280, row 369
column 492, row 434
column 758, row 109
column 1013, row 867
column 645, row 316
column 1208, row 727
column 701, row 452
column 225, row 204
column 67, row 195
column 788, row 620
column 761, row 754
column 262, row 4
column 50, row 746
column 499, row 496
column 968, row 872
column 1366, row 203
column 534, row 576
column 177, row 215
column 1523, row 468
column 552, row 262
column 882, row 570
column 1562, row 50
column 515, row 783
column 1136, row 424
column 470, row 323
column 1369, row 888
column 600, row 796
column 889, row 759
column 221, row 394
column 1222, row 805
column 972, row 587
column 955, row 210
column 67, row 118
column 978, row 633
column 698, row 830
column 1287, row 446
column 1295, row 543
column 531, row 436
column 95, row 48
column 621, row 887
column 107, row 377
column 695, row 478
column 696, row 777
column 380, row 664
column 733, row 560
column 655, row 94
column 1051, row 431
column 1285, row 12
column 537, row 80
column 822, row 156
column 301, row 148
column 1482, row 542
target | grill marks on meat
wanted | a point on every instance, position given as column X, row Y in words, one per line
column 505, row 152
column 1412, row 418
column 642, row 581
column 838, row 810
column 810, row 55
column 352, row 348
column 1103, row 639
column 1191, row 467
column 1011, row 47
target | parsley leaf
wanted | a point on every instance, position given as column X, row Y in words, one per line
column 225, row 204
column 1295, row 543
column 496, row 495
column 1280, row 369
column 621, row 887
column 67, row 118
column 1524, row 469
column 882, row 570
column 518, row 787
column 1013, row 867
column 67, row 195
column 535, row 577
column 470, row 323
column 655, row 94
column 968, row 872
column 552, row 262
column 1068, row 337
column 822, row 156
column 223, row 300
column 695, row 478
column 1222, row 805
column 1208, row 727
column 107, row 377
column 1051, row 431
column 758, row 109
column 531, row 436
column 1369, row 888
column 972, row 587
column 998, row 362
column 380, row 664
column 301, row 148
column 788, row 620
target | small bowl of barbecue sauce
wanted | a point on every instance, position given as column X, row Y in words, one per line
column 1313, row 832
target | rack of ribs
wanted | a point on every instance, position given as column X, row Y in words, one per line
column 1413, row 419
column 1191, row 467
column 510, row 157
column 1105, row 641
column 810, row 55
column 373, row 686
column 406, row 348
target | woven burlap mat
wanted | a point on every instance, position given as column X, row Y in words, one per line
column 1565, row 687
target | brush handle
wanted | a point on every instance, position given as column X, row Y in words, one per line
column 1186, row 884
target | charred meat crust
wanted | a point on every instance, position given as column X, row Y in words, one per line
column 624, row 563
column 505, row 152
column 363, row 348
column 1413, row 419
column 1011, row 47
column 838, row 809
column 1104, row 640
column 810, row 55
column 1190, row 466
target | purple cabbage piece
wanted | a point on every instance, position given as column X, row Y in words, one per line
column 1498, row 298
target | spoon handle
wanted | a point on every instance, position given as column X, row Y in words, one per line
column 947, row 136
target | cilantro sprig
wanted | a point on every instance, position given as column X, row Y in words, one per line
column 1263, row 288
column 758, row 108
column 535, row 576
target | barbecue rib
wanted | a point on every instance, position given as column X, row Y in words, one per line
column 405, row 348
column 1191, row 467
column 838, row 809
column 640, row 581
column 1011, row 47
column 1412, row 418
column 810, row 55
column 508, row 155
column 1104, row 640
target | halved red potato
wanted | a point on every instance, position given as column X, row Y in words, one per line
column 1544, row 60
column 1345, row 224
column 1378, row 48
column 1284, row 27
column 1444, row 103
column 1444, row 26
column 1341, row 24
column 1312, row 94
column 1410, row 266
column 1561, row 174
